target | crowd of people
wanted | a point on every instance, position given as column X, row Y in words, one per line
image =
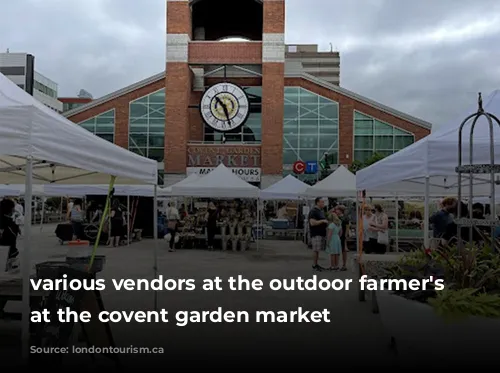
column 115, row 225
column 445, row 231
column 329, row 231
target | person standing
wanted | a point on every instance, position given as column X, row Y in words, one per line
column 9, row 231
column 116, row 220
column 173, row 217
column 369, row 234
column 317, row 230
column 75, row 216
column 333, row 245
column 211, row 219
column 381, row 226
column 442, row 220
column 344, row 219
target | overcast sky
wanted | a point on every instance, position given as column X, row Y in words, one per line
column 428, row 58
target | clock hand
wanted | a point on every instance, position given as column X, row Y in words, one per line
column 224, row 107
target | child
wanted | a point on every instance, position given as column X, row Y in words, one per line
column 333, row 244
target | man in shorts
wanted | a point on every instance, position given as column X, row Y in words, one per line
column 340, row 211
column 317, row 230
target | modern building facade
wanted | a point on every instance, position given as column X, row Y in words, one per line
column 286, row 113
column 70, row 103
column 324, row 65
column 20, row 68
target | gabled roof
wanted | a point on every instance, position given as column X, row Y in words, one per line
column 290, row 73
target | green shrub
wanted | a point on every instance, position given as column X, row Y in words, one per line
column 471, row 276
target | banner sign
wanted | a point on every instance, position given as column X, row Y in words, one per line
column 249, row 174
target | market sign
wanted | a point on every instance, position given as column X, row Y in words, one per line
column 228, row 155
column 249, row 174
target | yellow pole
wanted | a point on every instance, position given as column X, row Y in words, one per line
column 105, row 214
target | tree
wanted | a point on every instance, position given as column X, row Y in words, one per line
column 358, row 165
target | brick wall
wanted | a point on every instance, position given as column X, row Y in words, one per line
column 346, row 117
column 121, row 106
column 178, row 85
column 225, row 53
column 272, row 117
column 178, row 18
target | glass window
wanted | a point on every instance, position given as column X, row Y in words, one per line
column 401, row 142
column 291, row 111
column 384, row 143
column 374, row 136
column 328, row 141
column 102, row 125
column 291, row 141
column 309, row 155
column 147, row 125
column 328, row 126
column 310, row 128
column 363, row 127
column 383, row 128
column 289, row 156
column 138, row 140
column 363, row 142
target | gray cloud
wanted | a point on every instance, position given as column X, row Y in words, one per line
column 428, row 58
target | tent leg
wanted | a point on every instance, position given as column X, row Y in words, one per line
column 397, row 224
column 26, row 260
column 426, row 213
column 357, row 222
column 129, row 230
column 257, row 231
column 43, row 213
column 155, row 233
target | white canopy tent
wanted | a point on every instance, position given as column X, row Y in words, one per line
column 9, row 191
column 39, row 146
column 428, row 166
column 288, row 188
column 340, row 183
column 433, row 159
column 82, row 190
column 220, row 183
column 167, row 191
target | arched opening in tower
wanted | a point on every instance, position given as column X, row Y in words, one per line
column 214, row 20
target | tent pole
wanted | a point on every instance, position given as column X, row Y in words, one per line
column 129, row 235
column 26, row 260
column 397, row 223
column 155, row 233
column 426, row 213
column 43, row 213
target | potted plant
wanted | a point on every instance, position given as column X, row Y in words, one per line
column 463, row 319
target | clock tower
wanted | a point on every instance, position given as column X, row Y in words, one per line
column 206, row 83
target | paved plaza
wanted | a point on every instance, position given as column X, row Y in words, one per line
column 354, row 332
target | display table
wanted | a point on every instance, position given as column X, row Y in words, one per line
column 374, row 266
column 283, row 233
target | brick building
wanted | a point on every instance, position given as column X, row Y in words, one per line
column 292, row 115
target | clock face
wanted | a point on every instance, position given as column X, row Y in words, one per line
column 225, row 107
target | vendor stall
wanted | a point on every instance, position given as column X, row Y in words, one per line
column 236, row 219
column 285, row 225
column 39, row 146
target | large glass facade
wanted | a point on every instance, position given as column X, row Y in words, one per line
column 311, row 128
column 147, row 126
column 250, row 132
column 102, row 125
column 373, row 136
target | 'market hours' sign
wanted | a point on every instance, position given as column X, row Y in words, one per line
column 230, row 156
